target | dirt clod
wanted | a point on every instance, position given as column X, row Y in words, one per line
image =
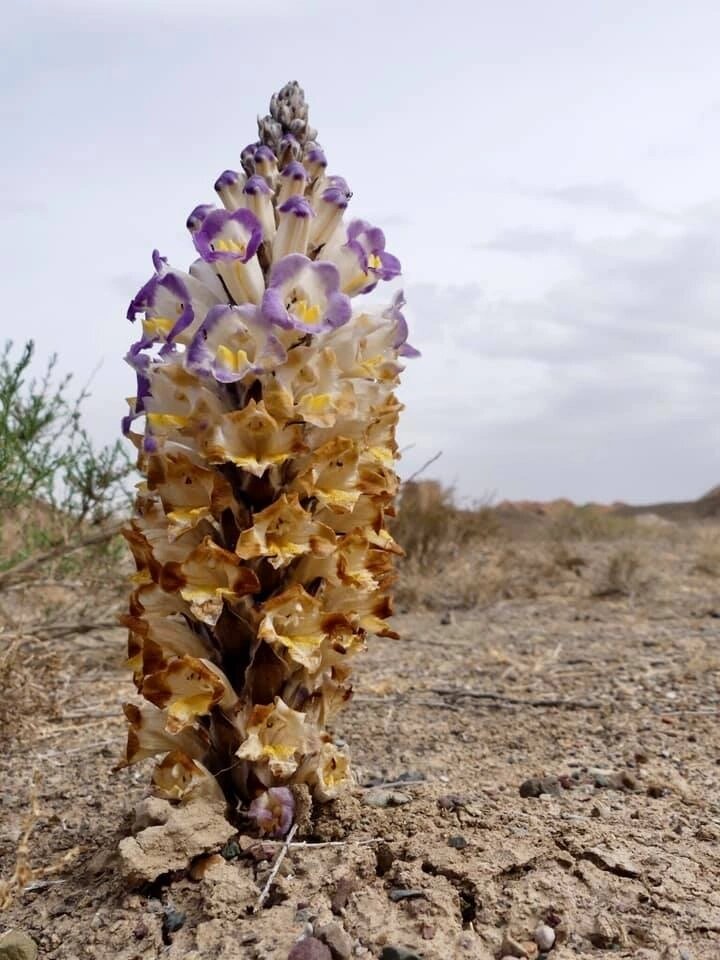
column 17, row 945
column 189, row 831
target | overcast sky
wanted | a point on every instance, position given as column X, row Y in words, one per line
column 547, row 172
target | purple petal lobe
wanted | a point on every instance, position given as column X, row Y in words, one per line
column 228, row 236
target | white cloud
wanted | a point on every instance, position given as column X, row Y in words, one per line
column 621, row 355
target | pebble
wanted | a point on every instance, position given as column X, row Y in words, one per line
column 16, row 945
column 172, row 920
column 310, row 948
column 544, row 937
column 396, row 895
column 344, row 887
column 537, row 786
column 459, row 843
column 399, row 953
column 386, row 798
column 231, row 850
column 337, row 939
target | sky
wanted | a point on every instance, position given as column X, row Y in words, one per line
column 548, row 174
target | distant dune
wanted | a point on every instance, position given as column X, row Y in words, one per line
column 705, row 507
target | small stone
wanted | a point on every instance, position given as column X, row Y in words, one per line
column 173, row 920
column 384, row 858
column 458, row 842
column 599, row 811
column 626, row 781
column 399, row 953
column 396, row 894
column 447, row 619
column 412, row 775
column 551, row 786
column 231, row 850
column 655, row 791
column 544, row 937
column 386, row 798
column 150, row 812
column 530, row 788
column 140, row 931
column 539, row 786
column 344, row 887
column 337, row 939
column 16, row 945
column 310, row 948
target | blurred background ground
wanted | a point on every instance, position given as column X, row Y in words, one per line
column 539, row 747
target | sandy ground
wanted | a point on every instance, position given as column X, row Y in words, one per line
column 546, row 759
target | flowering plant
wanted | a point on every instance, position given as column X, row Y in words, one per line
column 263, row 560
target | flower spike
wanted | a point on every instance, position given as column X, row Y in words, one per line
column 267, row 415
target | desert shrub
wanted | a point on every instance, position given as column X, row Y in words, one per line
column 566, row 559
column 707, row 560
column 622, row 575
column 591, row 524
column 53, row 479
column 431, row 528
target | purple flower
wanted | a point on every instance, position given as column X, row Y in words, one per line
column 305, row 295
column 265, row 163
column 256, row 185
column 232, row 342
column 394, row 313
column 225, row 236
column 315, row 162
column 197, row 217
column 329, row 208
column 137, row 405
column 292, row 180
column 247, row 158
column 273, row 811
column 258, row 199
column 338, row 183
column 229, row 187
column 293, row 232
column 166, row 302
column 368, row 245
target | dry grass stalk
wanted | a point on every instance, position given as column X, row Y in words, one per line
column 23, row 872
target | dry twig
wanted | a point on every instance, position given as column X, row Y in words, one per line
column 519, row 701
column 276, row 866
column 423, row 468
column 60, row 550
